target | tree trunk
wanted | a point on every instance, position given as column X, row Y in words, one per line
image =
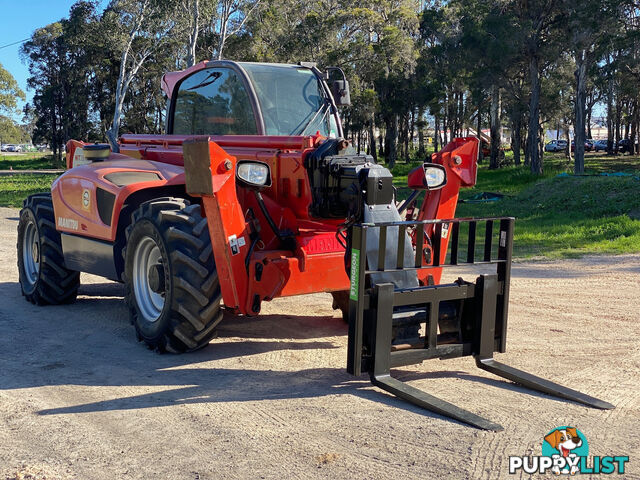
column 617, row 124
column 567, row 137
column 495, row 127
column 223, row 33
column 412, row 127
column 610, row 113
column 534, row 118
column 634, row 128
column 580, row 107
column 409, row 126
column 479, row 134
column 420, row 125
column 461, row 113
column 112, row 133
column 541, row 144
column 391, row 140
column 193, row 35
column 436, row 135
column 372, row 142
column 516, row 138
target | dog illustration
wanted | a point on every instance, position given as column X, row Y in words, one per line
column 564, row 441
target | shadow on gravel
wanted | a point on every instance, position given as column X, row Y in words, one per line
column 233, row 385
column 106, row 289
column 90, row 343
column 407, row 376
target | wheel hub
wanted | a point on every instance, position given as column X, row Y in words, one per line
column 156, row 278
column 31, row 253
column 148, row 279
column 35, row 252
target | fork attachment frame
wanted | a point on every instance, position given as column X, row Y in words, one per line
column 481, row 313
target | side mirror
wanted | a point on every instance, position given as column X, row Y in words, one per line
column 339, row 88
column 340, row 92
column 428, row 176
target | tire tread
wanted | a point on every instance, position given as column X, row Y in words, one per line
column 56, row 284
column 195, row 309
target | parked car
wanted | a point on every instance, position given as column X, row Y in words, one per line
column 624, row 145
column 555, row 146
column 600, row 145
column 588, row 146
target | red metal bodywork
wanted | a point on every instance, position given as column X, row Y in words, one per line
column 316, row 264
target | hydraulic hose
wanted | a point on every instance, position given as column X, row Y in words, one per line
column 285, row 237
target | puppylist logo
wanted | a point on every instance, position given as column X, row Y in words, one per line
column 565, row 450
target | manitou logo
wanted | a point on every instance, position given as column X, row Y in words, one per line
column 565, row 451
column 68, row 223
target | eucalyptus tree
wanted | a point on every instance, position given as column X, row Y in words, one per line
column 10, row 92
column 137, row 29
column 590, row 26
column 488, row 32
column 538, row 22
column 46, row 56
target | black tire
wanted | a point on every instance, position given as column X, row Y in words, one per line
column 187, row 279
column 341, row 302
column 48, row 281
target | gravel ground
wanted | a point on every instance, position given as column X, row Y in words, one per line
column 270, row 397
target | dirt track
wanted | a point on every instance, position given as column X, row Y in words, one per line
column 270, row 398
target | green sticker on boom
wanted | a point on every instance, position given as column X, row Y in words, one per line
column 355, row 272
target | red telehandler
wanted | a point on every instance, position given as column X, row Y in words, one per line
column 254, row 194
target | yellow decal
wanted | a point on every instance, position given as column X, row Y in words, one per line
column 86, row 199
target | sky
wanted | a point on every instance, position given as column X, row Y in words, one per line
column 18, row 20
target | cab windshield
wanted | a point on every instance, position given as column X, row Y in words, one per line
column 292, row 100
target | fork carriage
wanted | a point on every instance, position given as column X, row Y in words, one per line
column 471, row 316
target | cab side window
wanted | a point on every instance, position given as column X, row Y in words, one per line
column 213, row 102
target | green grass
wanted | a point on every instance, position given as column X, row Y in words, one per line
column 556, row 217
column 27, row 161
column 560, row 217
column 15, row 188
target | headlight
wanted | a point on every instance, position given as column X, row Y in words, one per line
column 254, row 174
column 429, row 176
column 435, row 177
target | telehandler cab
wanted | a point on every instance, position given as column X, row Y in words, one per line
column 254, row 194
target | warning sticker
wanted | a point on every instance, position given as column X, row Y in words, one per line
column 241, row 242
column 233, row 244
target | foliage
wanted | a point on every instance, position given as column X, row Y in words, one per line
column 9, row 91
column 416, row 69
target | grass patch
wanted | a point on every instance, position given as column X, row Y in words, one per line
column 27, row 161
column 556, row 217
column 560, row 217
column 15, row 188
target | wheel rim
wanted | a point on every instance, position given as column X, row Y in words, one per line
column 150, row 303
column 31, row 253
